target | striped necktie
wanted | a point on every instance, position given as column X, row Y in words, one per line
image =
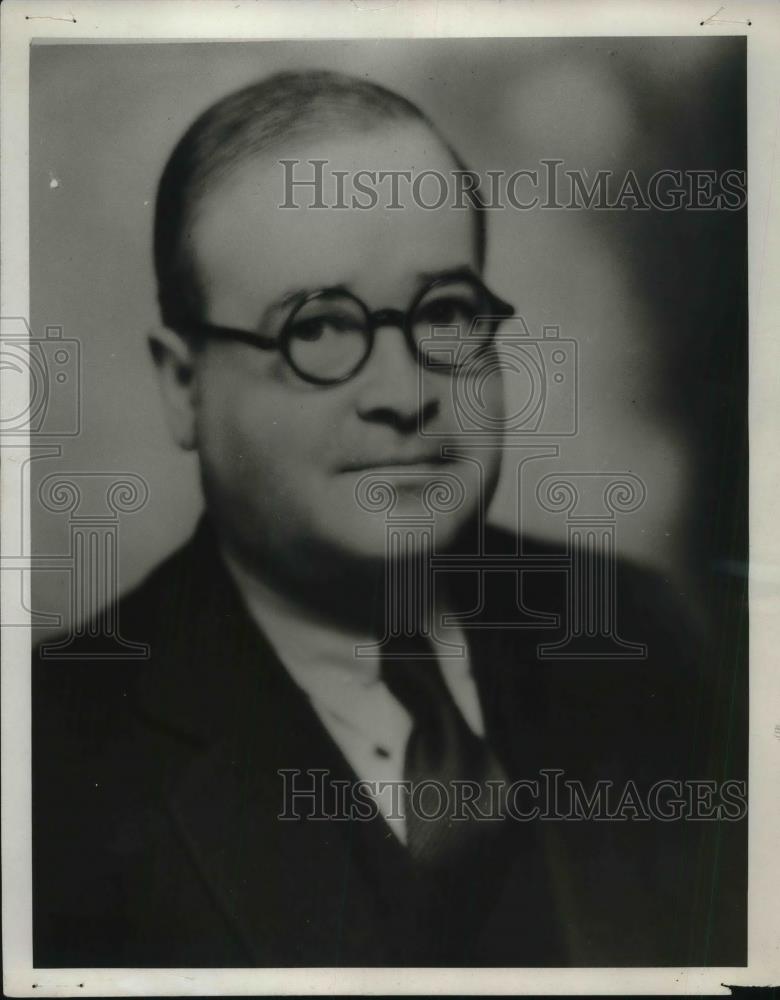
column 441, row 750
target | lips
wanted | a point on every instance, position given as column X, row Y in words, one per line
column 388, row 463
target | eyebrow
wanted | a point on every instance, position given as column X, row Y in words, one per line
column 423, row 277
column 465, row 271
column 291, row 298
column 296, row 295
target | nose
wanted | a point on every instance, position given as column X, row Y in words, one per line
column 391, row 387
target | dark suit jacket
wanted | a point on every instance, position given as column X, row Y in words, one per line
column 156, row 794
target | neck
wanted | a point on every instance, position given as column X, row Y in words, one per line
column 366, row 599
column 349, row 598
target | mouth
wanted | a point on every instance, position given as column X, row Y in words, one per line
column 413, row 463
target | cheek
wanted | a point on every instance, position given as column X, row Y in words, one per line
column 253, row 427
column 474, row 402
column 494, row 399
column 488, row 389
column 480, row 411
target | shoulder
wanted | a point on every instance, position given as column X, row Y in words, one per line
column 642, row 597
column 91, row 745
column 151, row 665
column 83, row 682
column 605, row 650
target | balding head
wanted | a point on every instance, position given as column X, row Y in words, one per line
column 249, row 124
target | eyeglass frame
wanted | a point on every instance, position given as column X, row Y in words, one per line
column 374, row 319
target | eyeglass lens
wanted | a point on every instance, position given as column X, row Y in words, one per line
column 329, row 336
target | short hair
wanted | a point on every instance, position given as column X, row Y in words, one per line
column 242, row 125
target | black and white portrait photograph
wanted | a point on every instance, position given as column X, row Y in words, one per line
column 382, row 589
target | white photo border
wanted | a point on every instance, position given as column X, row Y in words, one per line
column 24, row 21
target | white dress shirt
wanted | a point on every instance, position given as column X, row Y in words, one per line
column 368, row 724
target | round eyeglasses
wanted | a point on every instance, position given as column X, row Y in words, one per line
column 329, row 334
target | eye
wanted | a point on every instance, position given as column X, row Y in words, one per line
column 446, row 312
column 314, row 328
column 308, row 329
column 442, row 312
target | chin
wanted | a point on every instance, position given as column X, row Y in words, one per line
column 409, row 533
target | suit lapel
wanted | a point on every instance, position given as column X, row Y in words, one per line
column 220, row 689
column 275, row 880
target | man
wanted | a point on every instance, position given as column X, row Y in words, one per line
column 186, row 810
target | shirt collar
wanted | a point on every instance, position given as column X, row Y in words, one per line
column 323, row 658
column 318, row 653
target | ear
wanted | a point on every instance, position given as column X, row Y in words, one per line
column 174, row 360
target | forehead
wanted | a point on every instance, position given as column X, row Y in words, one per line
column 248, row 250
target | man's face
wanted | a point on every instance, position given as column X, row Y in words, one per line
column 282, row 460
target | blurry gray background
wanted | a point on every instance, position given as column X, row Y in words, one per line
column 656, row 301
